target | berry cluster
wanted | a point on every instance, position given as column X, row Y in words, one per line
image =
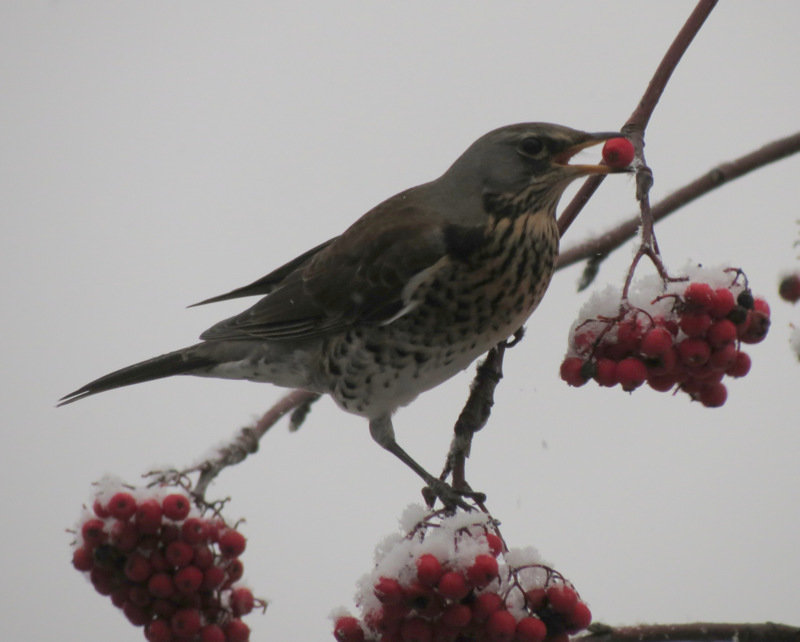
column 169, row 569
column 688, row 337
column 451, row 579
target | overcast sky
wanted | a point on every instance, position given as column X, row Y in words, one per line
column 154, row 154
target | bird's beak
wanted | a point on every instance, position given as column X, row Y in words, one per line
column 563, row 158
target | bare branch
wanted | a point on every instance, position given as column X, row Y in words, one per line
column 246, row 441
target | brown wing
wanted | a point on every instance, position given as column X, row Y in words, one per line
column 271, row 281
column 359, row 277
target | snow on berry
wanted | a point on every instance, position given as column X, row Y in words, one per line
column 148, row 549
column 686, row 334
column 449, row 576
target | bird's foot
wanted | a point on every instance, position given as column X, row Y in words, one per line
column 449, row 496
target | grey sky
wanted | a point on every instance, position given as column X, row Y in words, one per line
column 152, row 155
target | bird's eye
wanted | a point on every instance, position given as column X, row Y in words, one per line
column 531, row 146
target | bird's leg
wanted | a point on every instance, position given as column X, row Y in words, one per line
column 383, row 433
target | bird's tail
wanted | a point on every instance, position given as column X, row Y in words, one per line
column 191, row 360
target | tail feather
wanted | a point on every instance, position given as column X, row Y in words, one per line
column 185, row 361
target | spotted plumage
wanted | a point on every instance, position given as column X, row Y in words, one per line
column 409, row 295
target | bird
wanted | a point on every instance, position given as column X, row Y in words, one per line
column 409, row 295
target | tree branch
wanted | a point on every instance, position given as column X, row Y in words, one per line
column 698, row 631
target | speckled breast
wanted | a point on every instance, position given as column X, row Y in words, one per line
column 464, row 307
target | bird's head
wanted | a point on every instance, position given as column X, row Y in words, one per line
column 528, row 160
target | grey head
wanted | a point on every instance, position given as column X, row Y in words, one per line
column 530, row 158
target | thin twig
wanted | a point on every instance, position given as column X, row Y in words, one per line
column 612, row 239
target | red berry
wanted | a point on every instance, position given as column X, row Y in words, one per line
column 722, row 303
column 100, row 509
column 536, row 598
column 179, row 554
column 693, row 352
column 429, row 569
column 348, row 629
column 163, row 608
column 242, row 601
column 234, row 570
column 484, row 605
column 82, row 559
column 213, row 576
column 740, row 365
column 695, row 324
column 418, row 597
column 137, row 615
column 629, row 335
column 186, row 622
column 456, row 616
column 137, row 567
column 176, row 506
column 237, row 631
column 188, row 580
column 232, row 543
column 606, row 372
column 194, row 530
column 495, row 543
column 483, row 570
column 501, row 626
column 760, row 305
column 721, row 332
column 572, row 371
column 698, row 295
column 388, row 590
column 452, row 585
column 213, row 633
column 93, row 533
column 722, row 357
column 124, row 536
column 663, row 364
column 203, row 557
column 713, row 395
column 139, row 595
column 103, row 580
column 160, row 585
column 148, row 517
column 562, row 599
column 631, row 373
column 158, row 631
column 756, row 326
column 656, row 342
column 661, row 383
column 580, row 618
column 789, row 288
column 122, row 506
column 531, row 629
column 416, row 629
column 618, row 153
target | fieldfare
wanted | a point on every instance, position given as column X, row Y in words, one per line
column 409, row 295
